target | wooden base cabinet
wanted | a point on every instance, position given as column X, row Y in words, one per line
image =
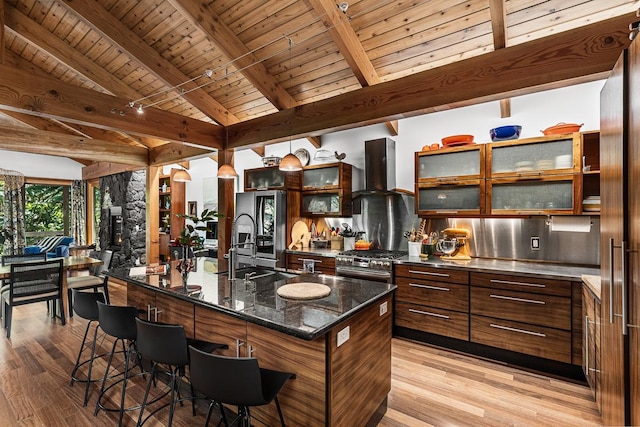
column 433, row 300
column 162, row 308
column 327, row 375
column 523, row 314
column 591, row 362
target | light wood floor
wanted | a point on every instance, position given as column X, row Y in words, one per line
column 429, row 386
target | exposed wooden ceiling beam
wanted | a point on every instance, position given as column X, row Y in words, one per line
column 28, row 30
column 499, row 29
column 505, row 108
column 57, row 144
column 101, row 169
column 201, row 15
column 98, row 18
column 583, row 54
column 498, row 23
column 174, row 153
column 46, row 97
column 349, row 45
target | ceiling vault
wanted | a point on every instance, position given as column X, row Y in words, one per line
column 212, row 76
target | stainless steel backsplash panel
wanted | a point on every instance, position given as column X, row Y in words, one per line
column 510, row 238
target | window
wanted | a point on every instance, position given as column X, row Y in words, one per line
column 46, row 211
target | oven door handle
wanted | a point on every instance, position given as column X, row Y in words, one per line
column 368, row 273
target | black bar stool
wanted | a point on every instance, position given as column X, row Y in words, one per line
column 86, row 307
column 119, row 322
column 167, row 345
column 235, row 381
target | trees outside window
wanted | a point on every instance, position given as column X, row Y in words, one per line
column 46, row 211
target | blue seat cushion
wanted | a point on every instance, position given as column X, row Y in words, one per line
column 50, row 245
column 33, row 250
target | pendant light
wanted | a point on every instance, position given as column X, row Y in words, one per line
column 181, row 176
column 290, row 162
column 227, row 171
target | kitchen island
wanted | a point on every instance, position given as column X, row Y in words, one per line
column 338, row 346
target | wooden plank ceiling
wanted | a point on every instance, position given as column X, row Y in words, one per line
column 267, row 69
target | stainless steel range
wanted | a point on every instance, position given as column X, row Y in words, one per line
column 374, row 264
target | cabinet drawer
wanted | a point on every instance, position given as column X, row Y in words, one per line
column 533, row 340
column 526, row 284
column 432, row 273
column 537, row 309
column 434, row 294
column 323, row 265
column 433, row 320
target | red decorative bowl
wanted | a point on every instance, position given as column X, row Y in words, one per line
column 453, row 139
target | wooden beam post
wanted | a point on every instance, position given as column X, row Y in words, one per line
column 152, row 217
column 226, row 206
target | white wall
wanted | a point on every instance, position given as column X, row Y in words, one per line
column 41, row 166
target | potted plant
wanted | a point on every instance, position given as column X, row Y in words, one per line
column 190, row 240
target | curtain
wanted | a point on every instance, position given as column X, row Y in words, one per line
column 13, row 211
column 78, row 212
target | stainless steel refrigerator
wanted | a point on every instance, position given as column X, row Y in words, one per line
column 260, row 227
column 620, row 240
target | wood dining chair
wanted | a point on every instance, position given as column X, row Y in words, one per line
column 31, row 282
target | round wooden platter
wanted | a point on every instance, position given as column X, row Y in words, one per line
column 303, row 291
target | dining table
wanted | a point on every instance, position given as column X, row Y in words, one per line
column 72, row 265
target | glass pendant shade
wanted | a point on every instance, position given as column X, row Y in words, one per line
column 290, row 163
column 227, row 172
column 182, row 176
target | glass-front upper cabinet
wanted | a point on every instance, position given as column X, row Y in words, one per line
column 534, row 196
column 326, row 189
column 451, row 164
column 329, row 203
column 327, row 176
column 271, row 178
column 549, row 155
column 464, row 198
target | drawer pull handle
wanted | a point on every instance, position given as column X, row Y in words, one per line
column 442, row 316
column 435, row 288
column 428, row 273
column 532, row 301
column 313, row 260
column 508, row 282
column 522, row 331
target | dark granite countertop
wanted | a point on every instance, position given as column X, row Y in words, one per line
column 538, row 269
column 304, row 319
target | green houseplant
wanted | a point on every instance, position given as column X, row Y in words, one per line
column 189, row 236
column 189, row 239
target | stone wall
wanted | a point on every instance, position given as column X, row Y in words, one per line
column 125, row 190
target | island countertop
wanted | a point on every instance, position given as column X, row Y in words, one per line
column 260, row 304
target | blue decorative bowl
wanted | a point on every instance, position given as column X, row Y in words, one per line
column 505, row 133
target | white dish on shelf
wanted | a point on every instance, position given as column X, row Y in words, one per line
column 303, row 155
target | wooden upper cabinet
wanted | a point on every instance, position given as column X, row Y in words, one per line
column 542, row 156
column 450, row 165
column 533, row 176
column 326, row 189
column 271, row 178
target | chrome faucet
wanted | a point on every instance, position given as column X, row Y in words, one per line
column 233, row 248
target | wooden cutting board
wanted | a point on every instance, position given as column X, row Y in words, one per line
column 299, row 233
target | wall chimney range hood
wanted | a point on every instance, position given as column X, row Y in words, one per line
column 379, row 167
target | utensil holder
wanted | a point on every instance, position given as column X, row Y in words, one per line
column 337, row 243
column 349, row 243
column 414, row 248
